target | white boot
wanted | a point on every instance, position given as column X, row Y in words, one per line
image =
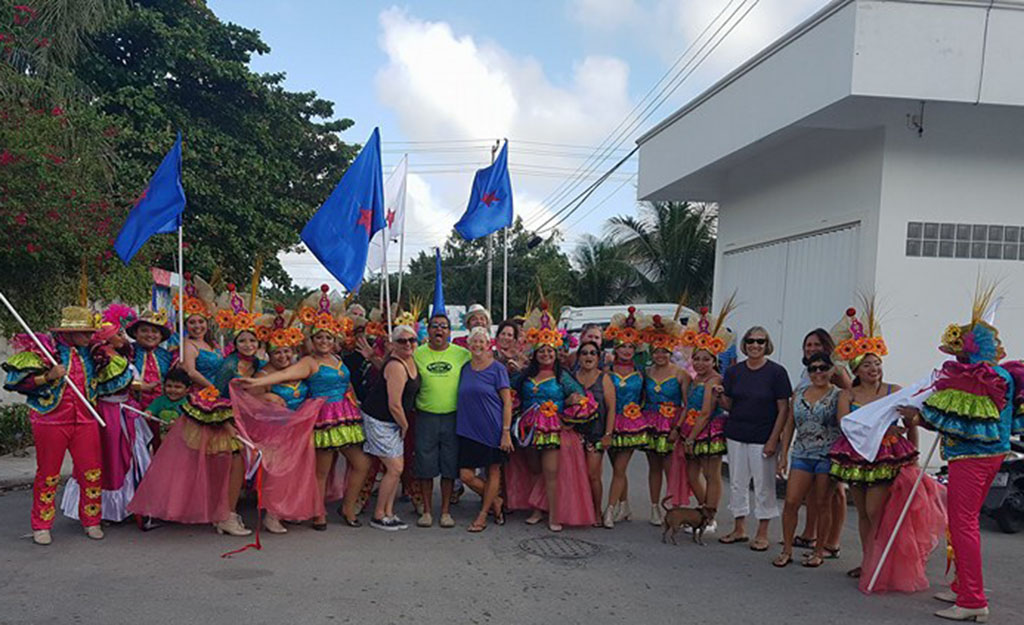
column 656, row 515
column 956, row 613
column 94, row 532
column 622, row 512
column 609, row 517
column 273, row 525
column 233, row 526
column 41, row 537
column 947, row 596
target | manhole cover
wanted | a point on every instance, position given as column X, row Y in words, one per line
column 559, row 547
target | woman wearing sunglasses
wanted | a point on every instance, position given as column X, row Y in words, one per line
column 386, row 412
column 756, row 393
column 816, row 426
column 596, row 433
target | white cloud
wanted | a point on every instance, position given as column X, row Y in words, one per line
column 604, row 14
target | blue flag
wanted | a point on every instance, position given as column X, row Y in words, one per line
column 438, row 308
column 339, row 233
column 158, row 209
column 490, row 204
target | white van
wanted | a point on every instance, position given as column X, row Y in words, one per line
column 572, row 319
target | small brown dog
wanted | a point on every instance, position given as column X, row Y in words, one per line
column 676, row 518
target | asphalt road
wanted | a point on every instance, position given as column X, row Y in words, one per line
column 175, row 575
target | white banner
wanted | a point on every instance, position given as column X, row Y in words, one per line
column 394, row 215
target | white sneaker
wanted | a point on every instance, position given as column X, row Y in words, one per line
column 94, row 532
column 956, row 613
column 609, row 517
column 945, row 595
column 656, row 514
column 712, row 526
column 41, row 537
column 273, row 525
column 622, row 511
column 233, row 526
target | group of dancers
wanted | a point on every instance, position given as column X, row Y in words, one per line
column 310, row 405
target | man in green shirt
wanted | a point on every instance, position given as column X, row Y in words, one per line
column 439, row 364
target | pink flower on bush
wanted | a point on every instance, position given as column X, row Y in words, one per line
column 57, row 111
column 21, row 219
column 6, row 158
column 23, row 14
column 32, row 248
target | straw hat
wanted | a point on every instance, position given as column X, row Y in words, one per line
column 76, row 319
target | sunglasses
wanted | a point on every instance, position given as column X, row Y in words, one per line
column 439, row 326
column 756, row 341
column 818, row 368
column 406, row 341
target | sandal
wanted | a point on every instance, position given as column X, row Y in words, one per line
column 760, row 544
column 854, row 573
column 782, row 561
column 803, row 543
column 813, row 562
column 730, row 539
column 533, row 520
column 476, row 528
column 555, row 527
column 833, row 552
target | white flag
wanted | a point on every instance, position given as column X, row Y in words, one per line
column 394, row 216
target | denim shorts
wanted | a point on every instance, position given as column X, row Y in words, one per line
column 810, row 465
column 437, row 446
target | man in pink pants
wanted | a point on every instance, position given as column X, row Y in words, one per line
column 973, row 410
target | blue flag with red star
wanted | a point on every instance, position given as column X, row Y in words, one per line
column 490, row 204
column 157, row 209
column 339, row 233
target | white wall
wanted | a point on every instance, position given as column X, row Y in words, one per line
column 968, row 167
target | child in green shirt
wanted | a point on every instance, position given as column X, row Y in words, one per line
column 167, row 407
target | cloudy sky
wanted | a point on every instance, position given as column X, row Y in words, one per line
column 558, row 79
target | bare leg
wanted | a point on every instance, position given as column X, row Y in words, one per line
column 549, row 464
column 490, row 494
column 863, row 521
column 620, row 462
column 697, row 484
column 324, row 462
column 810, row 532
column 427, row 492
column 472, row 481
column 359, row 466
column 821, row 500
column 838, row 517
column 711, row 467
column 388, row 487
column 656, row 464
column 797, row 487
column 447, row 488
column 594, row 473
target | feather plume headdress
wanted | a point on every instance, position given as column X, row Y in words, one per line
column 857, row 336
column 977, row 341
column 707, row 333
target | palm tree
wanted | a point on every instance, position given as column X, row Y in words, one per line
column 671, row 246
column 602, row 273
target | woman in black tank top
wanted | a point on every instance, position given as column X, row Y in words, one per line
column 597, row 433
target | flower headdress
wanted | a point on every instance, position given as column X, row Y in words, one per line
column 317, row 313
column 276, row 331
column 625, row 329
column 115, row 318
column 377, row 323
column 661, row 333
column 157, row 319
column 234, row 314
column 977, row 341
column 199, row 297
column 856, row 337
column 540, row 328
column 707, row 333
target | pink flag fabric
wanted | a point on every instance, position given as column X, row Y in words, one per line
column 575, row 506
column 285, row 441
column 678, row 488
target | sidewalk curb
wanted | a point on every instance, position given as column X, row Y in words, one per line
column 18, row 473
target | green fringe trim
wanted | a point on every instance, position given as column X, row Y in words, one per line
column 864, row 476
column 118, row 364
column 955, row 426
column 214, row 417
column 659, row 444
column 630, row 441
column 339, row 436
column 709, row 448
column 25, row 361
column 964, row 404
column 546, row 440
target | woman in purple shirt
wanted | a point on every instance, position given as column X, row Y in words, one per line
column 483, row 423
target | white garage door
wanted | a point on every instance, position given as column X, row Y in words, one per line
column 792, row 286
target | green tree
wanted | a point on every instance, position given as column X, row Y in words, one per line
column 602, row 273
column 671, row 245
column 258, row 160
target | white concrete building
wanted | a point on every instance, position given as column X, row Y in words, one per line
column 879, row 146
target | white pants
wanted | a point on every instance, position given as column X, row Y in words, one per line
column 747, row 461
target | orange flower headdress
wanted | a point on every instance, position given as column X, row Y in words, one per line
column 625, row 329
column 661, row 333
column 234, row 314
column 541, row 329
column 199, row 297
column 319, row 310
column 857, row 337
column 710, row 334
column 277, row 331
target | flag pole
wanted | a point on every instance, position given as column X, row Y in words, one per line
column 903, row 515
column 53, row 361
column 490, row 245
column 401, row 242
column 181, row 290
column 387, row 285
column 504, row 290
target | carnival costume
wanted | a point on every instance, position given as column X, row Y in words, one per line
column 710, row 335
column 276, row 332
column 340, row 422
column 973, row 410
column 855, row 340
column 151, row 364
column 631, row 429
column 663, row 399
column 125, row 438
column 60, row 421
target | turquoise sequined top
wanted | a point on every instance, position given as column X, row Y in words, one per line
column 628, row 389
column 293, row 394
column 208, row 364
column 330, row 382
column 533, row 394
column 665, row 392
